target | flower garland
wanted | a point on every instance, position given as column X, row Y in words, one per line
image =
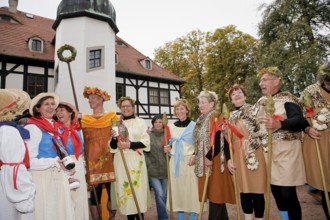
column 96, row 91
column 69, row 58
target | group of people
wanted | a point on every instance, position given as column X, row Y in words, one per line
column 195, row 160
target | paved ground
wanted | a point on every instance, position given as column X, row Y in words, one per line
column 311, row 209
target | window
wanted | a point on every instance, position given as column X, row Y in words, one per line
column 35, row 85
column 164, row 97
column 36, row 45
column 95, row 58
column 153, row 96
column 158, row 96
column 116, row 58
column 120, row 90
column 148, row 64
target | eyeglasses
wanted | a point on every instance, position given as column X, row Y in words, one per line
column 266, row 79
column 126, row 106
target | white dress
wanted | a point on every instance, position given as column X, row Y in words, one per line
column 53, row 197
column 14, row 202
column 136, row 164
column 184, row 186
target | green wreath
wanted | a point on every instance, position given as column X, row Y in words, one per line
column 69, row 58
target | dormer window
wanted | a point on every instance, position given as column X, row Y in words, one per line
column 116, row 58
column 146, row 63
column 36, row 45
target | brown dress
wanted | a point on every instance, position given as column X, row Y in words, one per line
column 97, row 133
column 220, row 187
column 321, row 99
column 249, row 180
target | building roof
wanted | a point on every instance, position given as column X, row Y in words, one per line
column 14, row 39
column 129, row 61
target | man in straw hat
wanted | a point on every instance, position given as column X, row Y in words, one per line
column 17, row 190
column 286, row 124
column 96, row 129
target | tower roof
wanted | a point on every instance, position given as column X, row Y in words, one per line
column 100, row 9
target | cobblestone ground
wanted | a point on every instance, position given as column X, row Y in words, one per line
column 311, row 209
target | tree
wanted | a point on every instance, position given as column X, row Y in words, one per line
column 295, row 36
column 232, row 56
column 212, row 61
column 185, row 57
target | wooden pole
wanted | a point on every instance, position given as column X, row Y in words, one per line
column 164, row 121
column 85, row 153
column 270, row 109
column 130, row 183
column 226, row 117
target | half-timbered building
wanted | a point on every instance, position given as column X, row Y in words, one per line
column 28, row 58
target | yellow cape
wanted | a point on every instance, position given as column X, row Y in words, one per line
column 106, row 120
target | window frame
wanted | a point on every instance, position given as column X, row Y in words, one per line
column 35, row 84
column 156, row 96
column 102, row 58
column 36, row 39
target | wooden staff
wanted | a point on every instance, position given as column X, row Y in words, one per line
column 130, row 183
column 270, row 109
column 68, row 61
column 165, row 121
column 215, row 115
column 225, row 113
column 309, row 104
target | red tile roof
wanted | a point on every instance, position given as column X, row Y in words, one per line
column 14, row 42
column 129, row 62
column 14, row 37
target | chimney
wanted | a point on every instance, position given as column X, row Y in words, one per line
column 13, row 5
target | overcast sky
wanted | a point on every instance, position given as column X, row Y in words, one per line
column 149, row 24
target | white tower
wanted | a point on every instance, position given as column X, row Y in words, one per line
column 90, row 27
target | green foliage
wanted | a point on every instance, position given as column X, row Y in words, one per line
column 213, row 61
column 295, row 37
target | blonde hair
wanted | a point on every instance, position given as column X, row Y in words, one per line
column 183, row 102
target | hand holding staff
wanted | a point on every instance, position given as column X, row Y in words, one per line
column 165, row 121
column 309, row 108
column 270, row 109
column 225, row 113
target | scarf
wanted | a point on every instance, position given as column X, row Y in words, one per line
column 89, row 121
column 202, row 141
column 72, row 131
column 187, row 136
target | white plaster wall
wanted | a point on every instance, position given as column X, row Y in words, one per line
column 14, row 81
column 82, row 33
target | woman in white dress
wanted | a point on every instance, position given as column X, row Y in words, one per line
column 138, row 141
column 184, row 183
column 17, row 190
column 53, row 197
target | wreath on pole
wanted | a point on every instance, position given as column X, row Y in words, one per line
column 69, row 58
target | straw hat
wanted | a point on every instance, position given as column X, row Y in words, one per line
column 36, row 99
column 74, row 109
column 13, row 102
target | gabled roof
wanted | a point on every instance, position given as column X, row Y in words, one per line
column 129, row 61
column 14, row 42
column 14, row 37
